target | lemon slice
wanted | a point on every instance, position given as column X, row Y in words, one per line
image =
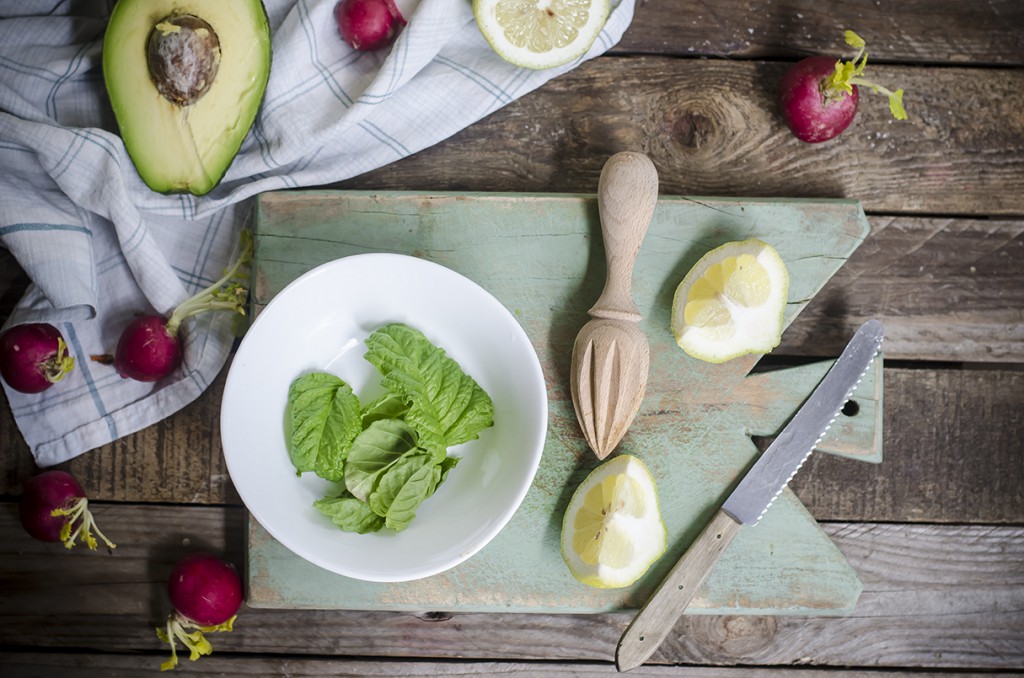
column 612, row 531
column 540, row 33
column 731, row 302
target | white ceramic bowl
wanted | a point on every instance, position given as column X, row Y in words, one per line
column 319, row 323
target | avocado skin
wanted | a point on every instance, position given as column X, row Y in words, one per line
column 186, row 149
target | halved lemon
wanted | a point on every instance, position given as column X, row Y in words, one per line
column 541, row 33
column 731, row 302
column 612, row 530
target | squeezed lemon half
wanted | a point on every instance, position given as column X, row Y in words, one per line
column 541, row 33
column 612, row 531
column 731, row 302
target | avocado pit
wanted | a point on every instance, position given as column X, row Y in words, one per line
column 185, row 79
column 183, row 53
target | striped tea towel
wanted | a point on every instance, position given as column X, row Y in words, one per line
column 101, row 247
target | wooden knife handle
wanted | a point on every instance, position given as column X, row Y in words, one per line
column 654, row 621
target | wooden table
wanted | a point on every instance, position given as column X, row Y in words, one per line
column 936, row 532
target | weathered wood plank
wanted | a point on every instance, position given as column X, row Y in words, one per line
column 84, row 665
column 177, row 460
column 712, row 129
column 944, row 470
column 946, row 289
column 934, row 597
column 919, row 31
column 963, row 426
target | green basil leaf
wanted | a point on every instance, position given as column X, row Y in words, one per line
column 344, row 426
column 402, row 489
column 349, row 514
column 323, row 419
column 373, row 451
column 446, row 465
column 446, row 406
column 387, row 406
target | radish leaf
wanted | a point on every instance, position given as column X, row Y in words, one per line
column 854, row 40
column 848, row 73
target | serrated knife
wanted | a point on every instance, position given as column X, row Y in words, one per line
column 751, row 498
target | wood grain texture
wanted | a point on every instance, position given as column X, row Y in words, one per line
column 608, row 379
column 712, row 129
column 611, row 356
column 964, row 463
column 178, row 460
column 659, row 615
column 83, row 665
column 692, row 85
column 934, row 597
column 963, row 426
column 627, row 196
column 946, row 289
column 990, row 32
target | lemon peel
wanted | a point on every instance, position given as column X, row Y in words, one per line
column 612, row 530
column 540, row 34
column 731, row 302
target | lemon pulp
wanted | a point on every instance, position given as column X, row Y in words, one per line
column 540, row 33
column 612, row 531
column 731, row 303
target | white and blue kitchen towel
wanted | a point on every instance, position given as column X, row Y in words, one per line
column 99, row 246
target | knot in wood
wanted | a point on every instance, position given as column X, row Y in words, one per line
column 737, row 636
column 693, row 129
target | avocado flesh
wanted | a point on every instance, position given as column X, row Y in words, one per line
column 175, row 148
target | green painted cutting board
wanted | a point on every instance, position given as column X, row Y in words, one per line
column 542, row 256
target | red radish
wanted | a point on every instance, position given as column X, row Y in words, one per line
column 53, row 504
column 368, row 25
column 147, row 351
column 206, row 593
column 33, row 357
column 819, row 96
column 150, row 347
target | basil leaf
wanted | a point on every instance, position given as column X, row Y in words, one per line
column 344, row 427
column 323, row 419
column 402, row 489
column 373, row 451
column 387, row 406
column 446, row 465
column 349, row 514
column 446, row 406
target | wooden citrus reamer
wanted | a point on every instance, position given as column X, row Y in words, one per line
column 611, row 355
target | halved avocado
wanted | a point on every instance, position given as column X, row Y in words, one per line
column 185, row 80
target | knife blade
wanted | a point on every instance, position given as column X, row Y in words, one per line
column 750, row 499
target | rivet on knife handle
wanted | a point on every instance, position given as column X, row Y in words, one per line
column 752, row 496
column 650, row 626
